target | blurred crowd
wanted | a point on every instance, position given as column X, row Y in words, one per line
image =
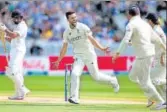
column 107, row 20
column 46, row 19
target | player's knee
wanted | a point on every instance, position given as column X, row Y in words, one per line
column 12, row 70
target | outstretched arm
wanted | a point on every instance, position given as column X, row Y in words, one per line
column 97, row 44
column 125, row 42
column 62, row 54
column 62, row 51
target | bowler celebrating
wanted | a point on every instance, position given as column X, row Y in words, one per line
column 80, row 36
column 18, row 49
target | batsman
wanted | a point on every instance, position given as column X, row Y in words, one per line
column 16, row 37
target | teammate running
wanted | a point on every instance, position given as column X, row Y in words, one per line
column 140, row 34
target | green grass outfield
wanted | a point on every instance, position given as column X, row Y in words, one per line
column 53, row 87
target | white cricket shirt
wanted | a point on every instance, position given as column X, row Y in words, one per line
column 78, row 37
column 18, row 44
column 141, row 34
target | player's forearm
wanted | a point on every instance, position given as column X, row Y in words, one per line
column 63, row 52
column 11, row 34
column 95, row 43
column 98, row 45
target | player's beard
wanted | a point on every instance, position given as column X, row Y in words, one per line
column 16, row 22
column 73, row 25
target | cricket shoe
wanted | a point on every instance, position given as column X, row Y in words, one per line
column 149, row 103
column 20, row 95
column 160, row 106
column 115, row 84
column 70, row 100
column 26, row 91
column 15, row 97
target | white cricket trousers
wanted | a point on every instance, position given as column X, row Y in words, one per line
column 158, row 77
column 94, row 72
column 15, row 70
column 140, row 74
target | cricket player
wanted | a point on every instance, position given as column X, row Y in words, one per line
column 158, row 72
column 140, row 35
column 18, row 49
column 80, row 36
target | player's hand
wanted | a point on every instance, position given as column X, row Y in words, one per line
column 8, row 39
column 162, row 59
column 56, row 64
column 115, row 56
column 106, row 50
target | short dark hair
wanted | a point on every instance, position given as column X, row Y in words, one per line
column 17, row 14
column 153, row 17
column 69, row 13
column 134, row 10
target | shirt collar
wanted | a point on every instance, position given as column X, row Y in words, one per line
column 135, row 17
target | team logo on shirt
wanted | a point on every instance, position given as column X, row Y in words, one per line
column 75, row 39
